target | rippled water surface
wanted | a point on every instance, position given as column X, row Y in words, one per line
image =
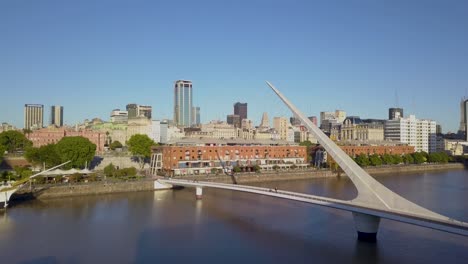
column 232, row 227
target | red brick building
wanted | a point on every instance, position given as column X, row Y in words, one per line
column 182, row 160
column 47, row 136
column 354, row 151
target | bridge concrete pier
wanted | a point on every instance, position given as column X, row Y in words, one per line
column 367, row 226
column 198, row 192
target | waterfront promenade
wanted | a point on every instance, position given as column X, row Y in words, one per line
column 50, row 191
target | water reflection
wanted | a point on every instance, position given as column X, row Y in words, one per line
column 230, row 227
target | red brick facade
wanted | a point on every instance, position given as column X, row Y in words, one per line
column 354, row 151
column 47, row 136
column 206, row 156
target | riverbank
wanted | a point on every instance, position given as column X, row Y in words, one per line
column 51, row 191
column 314, row 174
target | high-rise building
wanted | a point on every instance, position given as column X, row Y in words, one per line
column 313, row 119
column 234, row 120
column 294, row 121
column 196, row 115
column 240, row 109
column 395, row 113
column 463, row 118
column 419, row 133
column 136, row 111
column 56, row 115
column 265, row 121
column 281, row 126
column 183, row 103
column 33, row 116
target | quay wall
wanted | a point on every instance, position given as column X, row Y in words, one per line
column 96, row 188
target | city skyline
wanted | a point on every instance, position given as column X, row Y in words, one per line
column 325, row 56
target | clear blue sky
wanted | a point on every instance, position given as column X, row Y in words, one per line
column 92, row 56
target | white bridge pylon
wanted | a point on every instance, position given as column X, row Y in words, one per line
column 371, row 193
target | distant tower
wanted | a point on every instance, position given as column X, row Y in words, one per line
column 462, row 128
column 33, row 116
column 56, row 115
column 240, row 109
column 395, row 113
column 183, row 103
column 463, row 119
column 265, row 121
column 196, row 115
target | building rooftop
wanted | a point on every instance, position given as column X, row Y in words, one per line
column 370, row 143
column 229, row 142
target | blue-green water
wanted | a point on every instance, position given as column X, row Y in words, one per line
column 232, row 227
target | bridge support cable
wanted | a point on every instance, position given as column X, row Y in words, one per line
column 367, row 226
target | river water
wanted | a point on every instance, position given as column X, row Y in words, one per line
column 232, row 227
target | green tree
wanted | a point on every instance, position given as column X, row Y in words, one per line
column 115, row 145
column 418, row 158
column 2, row 152
column 375, row 160
column 397, row 159
column 444, row 157
column 236, row 169
column 408, row 159
column 256, row 168
column 14, row 141
column 79, row 150
column 140, row 146
column 362, row 160
column 45, row 154
column 387, row 159
column 109, row 170
column 22, row 172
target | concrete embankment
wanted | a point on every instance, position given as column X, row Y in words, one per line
column 413, row 168
column 81, row 189
column 313, row 174
column 96, row 188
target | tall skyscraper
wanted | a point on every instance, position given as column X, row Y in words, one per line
column 464, row 119
column 240, row 109
column 395, row 113
column 183, row 103
column 196, row 115
column 234, row 120
column 136, row 110
column 56, row 115
column 33, row 116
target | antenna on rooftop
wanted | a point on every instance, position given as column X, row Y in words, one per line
column 396, row 98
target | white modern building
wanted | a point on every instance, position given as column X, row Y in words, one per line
column 169, row 133
column 419, row 133
column 156, row 131
column 118, row 116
